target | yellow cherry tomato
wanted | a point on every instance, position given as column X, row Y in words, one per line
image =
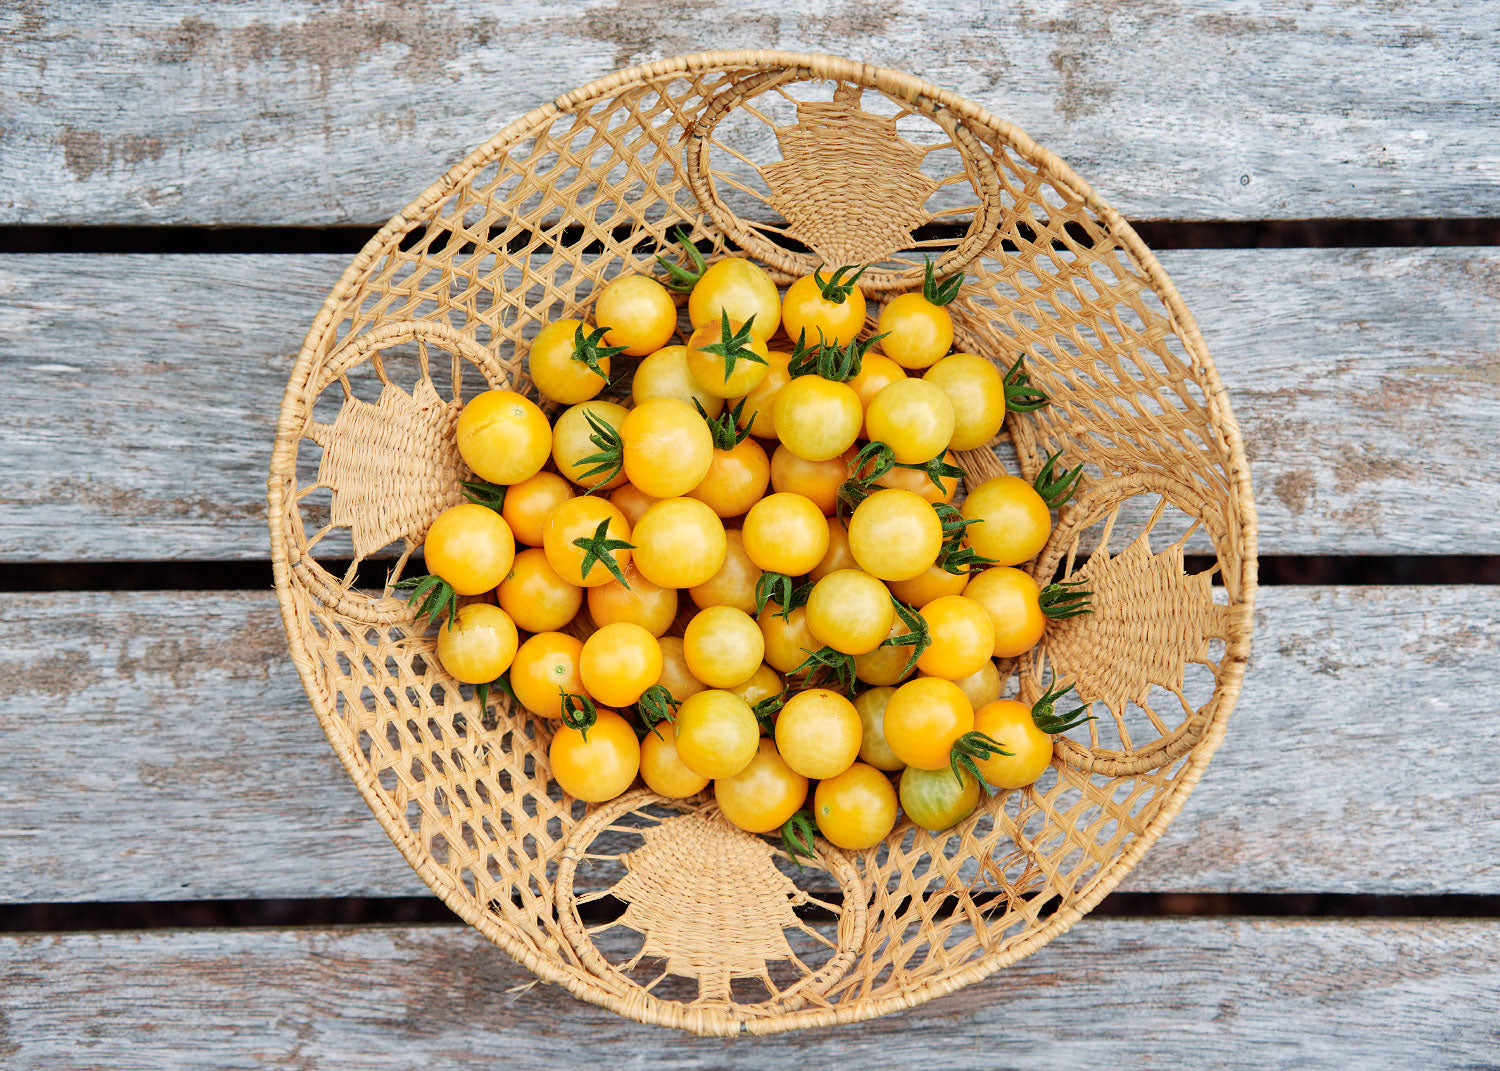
column 977, row 390
column 557, row 366
column 837, row 556
column 579, row 519
column 471, row 547
column 572, row 442
column 914, row 418
column 762, row 684
column 638, row 313
column 895, row 534
column 668, row 447
column 736, row 479
column 679, row 543
column 636, row 602
column 503, row 436
column 479, row 645
column 527, row 504
column 787, row 639
column 980, row 687
column 935, row 799
column 712, row 371
column 870, row 705
column 809, row 309
column 886, row 665
column 856, row 809
column 876, row 372
column 759, row 403
column 850, row 611
column 923, row 720
column 1012, row 522
column 597, row 765
column 632, row 501
column 920, row 484
column 816, row 418
column 917, row 333
column 676, row 678
column 818, row 733
column 1012, row 600
column 535, row 596
column 818, row 481
column 734, row 583
column 663, row 769
column 933, row 582
column 619, row 662
column 545, row 667
column 723, row 646
column 743, row 290
column 1011, row 725
column 963, row 639
column 716, row 733
column 664, row 374
column 786, row 533
column 762, row 796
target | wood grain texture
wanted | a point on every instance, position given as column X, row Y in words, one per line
column 1117, row 993
column 162, row 748
column 142, row 394
column 303, row 112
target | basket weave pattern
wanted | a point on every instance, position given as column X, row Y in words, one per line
column 658, row 909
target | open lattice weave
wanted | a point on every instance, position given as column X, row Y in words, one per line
column 662, row 911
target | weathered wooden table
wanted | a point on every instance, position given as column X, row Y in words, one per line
column 164, row 782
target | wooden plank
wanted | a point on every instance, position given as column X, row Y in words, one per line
column 161, row 748
column 143, row 390
column 270, row 112
column 1119, row 993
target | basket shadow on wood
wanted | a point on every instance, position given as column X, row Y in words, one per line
column 658, row 909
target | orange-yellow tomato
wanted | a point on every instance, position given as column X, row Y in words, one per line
column 639, row 313
column 527, row 504
column 555, row 367
column 734, row 583
column 545, row 667
column 668, row 447
column 1011, row 725
column 679, row 543
column 736, row 479
column 786, row 533
column 818, row 733
column 535, row 596
column 571, row 442
column 787, row 639
column 664, row 374
column 711, row 371
column 471, row 547
column 817, row 419
column 716, row 733
column 919, row 483
column 762, row 684
column 886, row 665
column 917, row 332
column 963, row 639
column 1011, row 598
column 619, row 662
column 760, row 402
column 764, row 794
column 503, row 436
column 923, row 720
column 479, row 645
column 743, row 290
column 632, row 501
column 636, row 602
column 675, row 677
column 850, row 611
column 977, row 390
column 663, row 769
column 1012, row 522
column 856, row 809
column 895, row 535
column 805, row 311
column 982, row 686
column 870, row 704
column 933, row 582
column 579, row 519
column 914, row 418
column 818, row 481
column 723, row 646
column 838, row 556
column 597, row 765
column 876, row 372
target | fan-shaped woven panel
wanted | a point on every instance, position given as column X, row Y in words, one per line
column 661, row 910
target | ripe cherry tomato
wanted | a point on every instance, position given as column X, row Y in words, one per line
column 716, row 733
column 886, row 665
column 895, row 535
column 818, row 481
column 557, row 371
column 663, row 769
column 734, row 583
column 977, row 390
column 632, row 501
column 982, row 686
column 676, row 678
column 527, row 504
column 763, row 795
column 578, row 518
column 536, row 598
column 664, row 374
column 935, row 800
column 503, row 436
column 711, row 371
column 762, row 684
column 471, row 547
column 599, row 765
column 742, row 289
column 736, row 479
column 636, row 602
column 917, row 332
column 838, row 556
column 873, row 749
column 571, row 442
column 668, row 447
column 924, row 719
column 786, row 533
column 545, row 667
column 479, row 645
column 788, row 640
column 759, row 403
column 920, row 484
column 914, row 418
column 816, row 418
column 933, row 582
column 680, row 543
column 963, row 639
column 850, row 611
column 619, row 662
column 856, row 809
column 723, row 646
column 1013, row 522
column 638, row 312
column 1011, row 599
column 818, row 733
column 876, row 372
column 806, row 311
column 1011, row 725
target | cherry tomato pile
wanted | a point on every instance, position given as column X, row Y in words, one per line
column 795, row 488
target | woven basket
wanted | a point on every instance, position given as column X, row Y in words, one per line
column 658, row 909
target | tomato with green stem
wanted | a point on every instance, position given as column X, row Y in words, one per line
column 1011, row 725
column 546, row 667
column 598, row 763
column 478, row 645
column 587, row 541
column 917, row 325
column 586, row 445
column 932, row 583
column 817, row 419
column 503, row 436
column 891, row 662
column 569, row 361
column 727, row 359
column 828, row 309
column 739, row 289
column 761, row 400
column 739, row 471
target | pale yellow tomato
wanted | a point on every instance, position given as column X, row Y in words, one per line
column 734, row 583
column 786, row 533
column 667, row 446
column 818, row 733
column 817, row 419
column 675, row 677
column 723, row 646
column 663, row 769
column 573, row 440
column 503, row 436
column 850, row 611
column 479, row 645
column 1011, row 521
column 918, row 333
column 717, row 735
column 914, row 418
column 638, row 312
column 762, row 796
column 895, row 534
column 471, row 547
column 679, row 543
column 977, row 390
column 870, row 705
column 743, row 290
column 664, row 374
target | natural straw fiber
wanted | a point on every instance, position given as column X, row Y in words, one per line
column 660, row 910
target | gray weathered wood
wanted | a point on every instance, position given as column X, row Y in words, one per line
column 262, row 112
column 1118, row 993
column 160, row 747
column 142, row 392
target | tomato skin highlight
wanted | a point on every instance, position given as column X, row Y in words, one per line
column 1012, row 522
column 639, row 313
column 668, row 447
column 471, row 547
column 598, row 765
column 503, row 436
column 680, row 543
column 479, row 645
column 762, row 795
column 856, row 809
column 1011, row 724
column 923, row 720
column 546, row 666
